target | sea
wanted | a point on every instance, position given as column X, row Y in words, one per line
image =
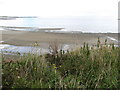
column 89, row 24
column 82, row 24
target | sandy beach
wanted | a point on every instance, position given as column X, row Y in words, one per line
column 66, row 41
column 24, row 38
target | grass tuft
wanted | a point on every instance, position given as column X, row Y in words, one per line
column 86, row 67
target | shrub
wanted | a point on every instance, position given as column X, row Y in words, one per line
column 86, row 67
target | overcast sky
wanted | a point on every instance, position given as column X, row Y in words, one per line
column 46, row 8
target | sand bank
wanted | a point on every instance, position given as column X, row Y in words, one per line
column 21, row 39
column 24, row 38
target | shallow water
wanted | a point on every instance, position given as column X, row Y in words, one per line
column 8, row 49
column 21, row 49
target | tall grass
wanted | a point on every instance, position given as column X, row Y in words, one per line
column 86, row 67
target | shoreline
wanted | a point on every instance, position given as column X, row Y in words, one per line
column 24, row 38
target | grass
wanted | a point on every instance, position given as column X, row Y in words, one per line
column 86, row 67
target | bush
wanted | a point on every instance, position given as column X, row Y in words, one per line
column 86, row 67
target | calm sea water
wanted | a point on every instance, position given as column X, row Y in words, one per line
column 83, row 24
column 71, row 24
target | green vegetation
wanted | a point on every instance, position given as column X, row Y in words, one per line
column 86, row 67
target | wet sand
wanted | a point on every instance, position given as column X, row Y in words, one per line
column 24, row 38
column 73, row 40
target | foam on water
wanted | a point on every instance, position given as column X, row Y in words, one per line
column 4, row 46
column 71, row 24
column 113, row 39
column 66, row 47
column 1, row 29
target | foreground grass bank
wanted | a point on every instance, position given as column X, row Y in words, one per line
column 86, row 67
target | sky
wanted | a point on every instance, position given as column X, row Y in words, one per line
column 47, row 8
